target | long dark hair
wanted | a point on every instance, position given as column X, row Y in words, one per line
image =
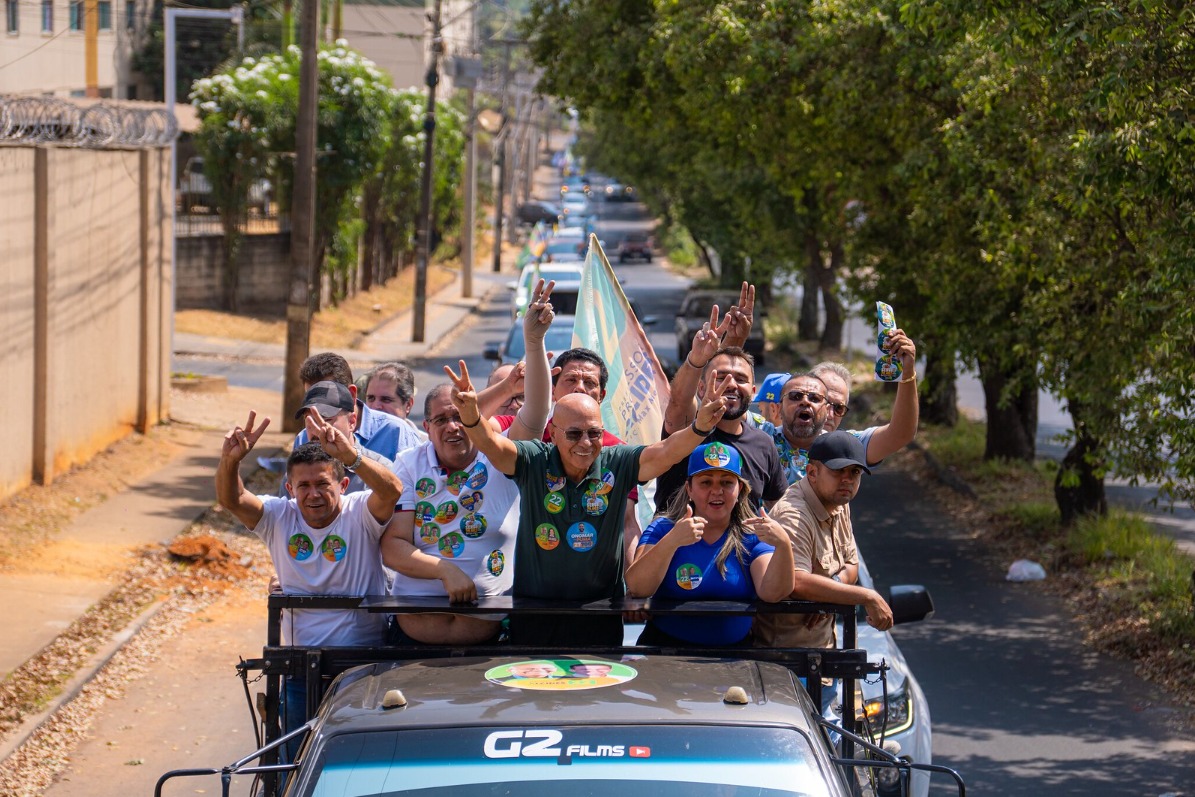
column 732, row 540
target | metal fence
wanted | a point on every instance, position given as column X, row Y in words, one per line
column 50, row 120
column 192, row 219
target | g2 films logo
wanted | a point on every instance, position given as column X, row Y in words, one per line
column 548, row 743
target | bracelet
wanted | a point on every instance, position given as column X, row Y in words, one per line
column 697, row 431
column 356, row 462
column 472, row 425
column 910, row 378
column 689, row 363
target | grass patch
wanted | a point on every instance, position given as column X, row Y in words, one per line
column 1131, row 586
column 678, row 246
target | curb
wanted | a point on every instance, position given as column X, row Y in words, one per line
column 82, row 677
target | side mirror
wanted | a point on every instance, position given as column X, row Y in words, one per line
column 491, row 352
column 910, row 603
column 648, row 321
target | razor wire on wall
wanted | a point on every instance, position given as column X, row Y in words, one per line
column 50, row 120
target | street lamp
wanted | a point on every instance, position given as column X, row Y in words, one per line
column 494, row 123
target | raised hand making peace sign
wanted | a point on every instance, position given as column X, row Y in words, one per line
column 713, row 404
column 241, row 439
column 464, row 395
column 539, row 313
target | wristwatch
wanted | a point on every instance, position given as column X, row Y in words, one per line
column 357, row 461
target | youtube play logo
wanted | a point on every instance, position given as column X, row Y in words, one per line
column 640, row 752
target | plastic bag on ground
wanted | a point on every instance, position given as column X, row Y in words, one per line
column 1025, row 570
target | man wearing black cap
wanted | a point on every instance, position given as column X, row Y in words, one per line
column 816, row 514
column 335, row 404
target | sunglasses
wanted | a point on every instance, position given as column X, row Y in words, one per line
column 801, row 395
column 574, row 435
column 839, row 409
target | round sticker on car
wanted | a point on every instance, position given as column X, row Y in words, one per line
column 562, row 674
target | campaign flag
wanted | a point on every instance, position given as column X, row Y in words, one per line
column 537, row 242
column 637, row 391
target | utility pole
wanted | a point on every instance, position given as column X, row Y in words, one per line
column 302, row 236
column 424, row 233
column 500, row 143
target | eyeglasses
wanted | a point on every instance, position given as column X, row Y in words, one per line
column 516, row 401
column 440, row 421
column 801, row 395
column 839, row 409
column 574, row 435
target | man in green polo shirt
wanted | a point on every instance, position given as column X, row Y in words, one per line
column 572, row 490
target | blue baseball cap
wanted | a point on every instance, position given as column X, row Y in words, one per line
column 715, row 456
column 772, row 387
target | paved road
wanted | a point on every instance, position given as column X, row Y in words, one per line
column 1019, row 706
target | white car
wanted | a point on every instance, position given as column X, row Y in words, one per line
column 564, row 296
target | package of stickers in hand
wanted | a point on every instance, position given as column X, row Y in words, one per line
column 888, row 367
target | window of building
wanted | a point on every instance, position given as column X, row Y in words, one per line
column 12, row 16
column 47, row 16
column 130, row 14
column 76, row 15
column 105, row 7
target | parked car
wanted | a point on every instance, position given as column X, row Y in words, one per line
column 695, row 311
column 195, row 189
column 619, row 192
column 634, row 245
column 536, row 211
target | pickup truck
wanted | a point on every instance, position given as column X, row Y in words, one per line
column 489, row 720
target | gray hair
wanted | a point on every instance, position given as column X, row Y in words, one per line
column 400, row 375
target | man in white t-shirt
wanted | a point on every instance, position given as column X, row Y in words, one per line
column 321, row 541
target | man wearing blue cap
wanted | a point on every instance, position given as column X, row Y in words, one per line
column 768, row 397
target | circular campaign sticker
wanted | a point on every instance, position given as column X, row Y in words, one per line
column 688, row 576
column 495, row 562
column 424, row 512
column 425, row 487
column 581, row 537
column 471, row 502
column 451, row 545
column 554, row 503
column 607, row 482
column 717, row 455
column 429, row 533
column 333, row 548
column 546, row 536
column 560, row 674
column 478, row 476
column 456, row 481
column 555, row 483
column 473, row 526
column 447, row 512
column 595, row 504
column 299, row 547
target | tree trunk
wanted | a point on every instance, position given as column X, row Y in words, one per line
column 1011, row 428
column 832, row 334
column 939, row 390
column 1079, row 483
column 807, row 325
column 231, row 265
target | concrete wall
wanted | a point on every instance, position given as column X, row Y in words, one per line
column 264, row 274
column 86, row 278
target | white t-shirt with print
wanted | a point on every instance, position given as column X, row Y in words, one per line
column 343, row 558
column 469, row 516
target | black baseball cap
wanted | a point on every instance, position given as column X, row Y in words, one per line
column 838, row 450
column 328, row 399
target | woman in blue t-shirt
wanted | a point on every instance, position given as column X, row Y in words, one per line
column 708, row 545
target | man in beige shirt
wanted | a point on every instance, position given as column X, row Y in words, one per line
column 815, row 512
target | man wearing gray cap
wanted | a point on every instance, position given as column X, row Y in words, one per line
column 816, row 514
column 336, row 405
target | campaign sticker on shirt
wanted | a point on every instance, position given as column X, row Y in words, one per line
column 429, row 533
column 425, row 487
column 595, row 504
column 581, row 537
column 688, row 576
column 554, row 503
column 716, row 455
column 473, row 525
column 447, row 512
column 607, row 483
column 451, row 545
column 299, row 547
column 565, row 674
column 456, row 481
column 546, row 536
column 333, row 548
column 424, row 512
column 471, row 502
column 555, row 483
column 495, row 562
column 478, row 476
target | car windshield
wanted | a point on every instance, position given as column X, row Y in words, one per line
column 699, row 306
column 559, row 337
column 601, row 761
